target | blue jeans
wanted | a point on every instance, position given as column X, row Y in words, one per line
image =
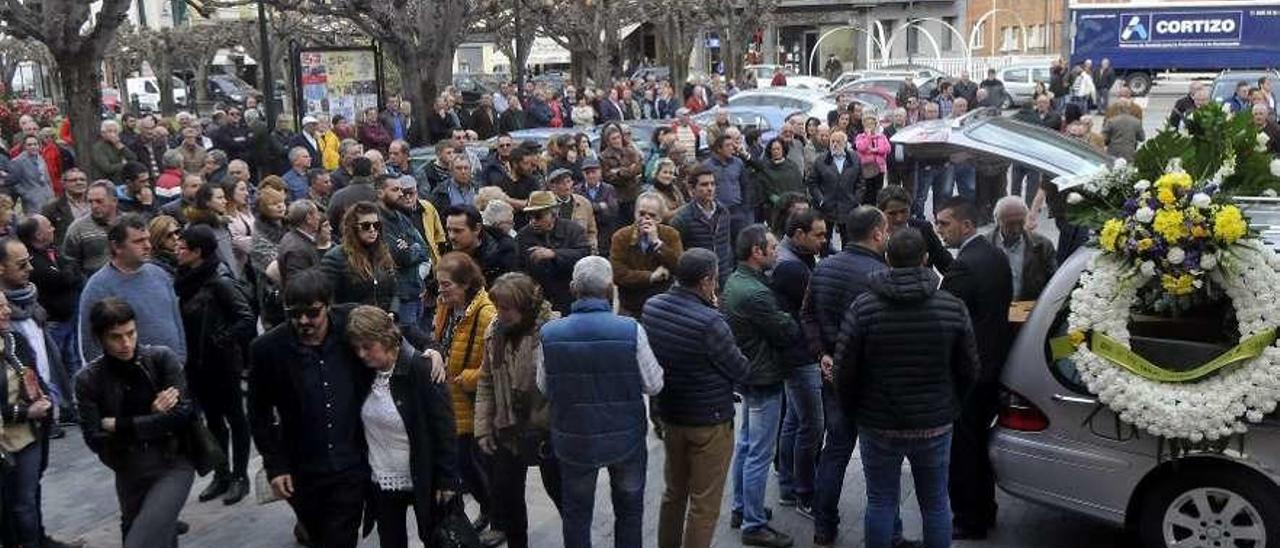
column 626, row 485
column 801, row 434
column 64, row 335
column 930, row 459
column 842, row 434
column 1025, row 183
column 22, row 495
column 937, row 178
column 753, row 455
column 409, row 313
column 965, row 179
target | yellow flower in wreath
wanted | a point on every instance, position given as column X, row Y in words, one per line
column 1110, row 234
column 1168, row 224
column 1166, row 196
column 1229, row 224
column 1174, row 181
column 1182, row 284
column 1145, row 244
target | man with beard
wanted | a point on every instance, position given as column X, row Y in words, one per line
column 408, row 249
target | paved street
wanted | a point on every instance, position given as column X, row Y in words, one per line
column 79, row 498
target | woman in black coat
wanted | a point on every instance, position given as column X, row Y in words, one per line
column 217, row 317
column 361, row 268
column 408, row 426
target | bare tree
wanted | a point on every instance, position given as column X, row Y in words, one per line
column 14, row 52
column 77, row 46
column 736, row 21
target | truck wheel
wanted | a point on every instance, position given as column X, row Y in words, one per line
column 1139, row 83
column 1217, row 507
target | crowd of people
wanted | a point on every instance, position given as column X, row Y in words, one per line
column 408, row 335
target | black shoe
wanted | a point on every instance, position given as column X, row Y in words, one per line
column 805, row 510
column 236, row 491
column 481, row 523
column 50, row 542
column 182, row 527
column 904, row 543
column 966, row 533
column 735, row 519
column 787, row 502
column 57, row 432
column 766, row 536
column 216, row 488
column 492, row 538
column 300, row 535
column 823, row 540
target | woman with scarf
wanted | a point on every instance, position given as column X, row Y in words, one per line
column 463, row 316
column 217, row 318
column 666, row 185
column 408, row 429
column 163, row 232
column 775, row 174
column 361, row 268
column 512, row 422
column 210, row 209
column 268, row 229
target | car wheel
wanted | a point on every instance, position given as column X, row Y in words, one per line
column 1216, row 507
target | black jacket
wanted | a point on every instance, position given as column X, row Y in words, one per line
column 906, row 356
column 569, row 241
column 836, row 282
column 939, row 257
column 349, row 287
column 498, row 254
column 425, row 408
column 980, row 277
column 60, row 216
column 101, row 390
column 216, row 318
column 700, row 362
column 58, row 288
column 836, row 193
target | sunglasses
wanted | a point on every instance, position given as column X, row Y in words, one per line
column 368, row 226
column 174, row 233
column 311, row 312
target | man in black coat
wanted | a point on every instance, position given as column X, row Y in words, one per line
column 981, row 278
column 549, row 247
column 835, row 183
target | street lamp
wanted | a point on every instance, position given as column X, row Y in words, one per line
column 264, row 60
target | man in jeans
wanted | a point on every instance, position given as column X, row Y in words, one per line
column 806, row 236
column 905, row 360
column 596, row 368
column 700, row 364
column 764, row 331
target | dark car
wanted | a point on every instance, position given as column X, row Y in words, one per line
column 473, row 86
column 228, row 89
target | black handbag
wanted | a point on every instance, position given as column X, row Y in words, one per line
column 453, row 529
column 205, row 453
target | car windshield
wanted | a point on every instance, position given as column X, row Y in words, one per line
column 1019, row 142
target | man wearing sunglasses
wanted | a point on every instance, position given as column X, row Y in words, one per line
column 308, row 376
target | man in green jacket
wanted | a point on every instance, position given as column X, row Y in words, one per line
column 109, row 154
column 763, row 331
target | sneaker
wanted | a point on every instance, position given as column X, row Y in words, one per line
column 735, row 518
column 493, row 537
column 805, row 510
column 766, row 536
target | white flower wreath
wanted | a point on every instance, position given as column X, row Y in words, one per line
column 1212, row 408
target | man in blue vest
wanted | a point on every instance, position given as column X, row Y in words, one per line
column 596, row 368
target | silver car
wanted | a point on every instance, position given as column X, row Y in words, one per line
column 1054, row 443
column 1020, row 81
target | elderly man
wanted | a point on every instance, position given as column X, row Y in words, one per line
column 109, row 154
column 192, row 147
column 549, row 248
column 348, row 151
column 644, row 254
column 1264, row 120
column 70, row 206
column 1123, row 130
column 595, row 370
column 1032, row 259
column 308, row 139
column 700, row 364
column 150, row 145
column 458, row 189
column 603, row 198
column 300, row 160
column 835, row 182
column 398, row 158
column 573, row 207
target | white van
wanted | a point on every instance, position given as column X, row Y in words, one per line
column 148, row 92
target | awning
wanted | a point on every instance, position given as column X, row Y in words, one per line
column 546, row 51
column 626, row 31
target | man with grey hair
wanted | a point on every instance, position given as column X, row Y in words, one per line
column 109, row 154
column 1032, row 258
column 348, row 151
column 297, row 250
column 595, row 368
column 296, row 178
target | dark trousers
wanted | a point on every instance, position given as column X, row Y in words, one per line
column 330, row 506
column 972, row 483
column 871, row 190
column 626, row 486
column 152, row 487
column 842, row 436
column 390, row 510
column 22, row 517
column 509, row 475
column 221, row 398
column 990, row 188
column 474, row 467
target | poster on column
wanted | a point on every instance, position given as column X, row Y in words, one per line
column 338, row 81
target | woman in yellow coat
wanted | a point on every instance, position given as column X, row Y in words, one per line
column 462, row 318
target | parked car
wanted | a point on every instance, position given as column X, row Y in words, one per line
column 228, row 89
column 147, row 92
column 1224, row 86
column 472, row 86
column 658, row 73
column 1020, row 82
column 764, row 77
column 813, row 103
column 919, row 72
column 1054, row 443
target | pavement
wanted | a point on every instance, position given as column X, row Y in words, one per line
column 79, row 498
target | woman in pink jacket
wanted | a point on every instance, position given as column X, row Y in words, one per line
column 873, row 148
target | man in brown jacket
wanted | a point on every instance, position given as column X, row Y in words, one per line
column 643, row 255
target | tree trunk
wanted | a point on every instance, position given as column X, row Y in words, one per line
column 609, row 63
column 578, row 62
column 164, row 80
column 80, row 77
column 202, row 87
column 729, row 50
column 418, row 72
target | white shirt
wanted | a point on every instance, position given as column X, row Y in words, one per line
column 650, row 371
column 387, row 438
column 35, row 337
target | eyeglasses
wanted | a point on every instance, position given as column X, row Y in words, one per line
column 366, row 226
column 311, row 312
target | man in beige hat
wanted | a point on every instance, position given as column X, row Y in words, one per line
column 573, row 207
column 549, row 248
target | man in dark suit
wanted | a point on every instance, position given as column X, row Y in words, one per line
column 981, row 278
column 835, row 183
column 308, row 138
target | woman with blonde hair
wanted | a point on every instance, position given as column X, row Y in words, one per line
column 163, row 231
column 463, row 316
column 666, row 185
column 240, row 219
column 511, row 415
column 360, row 267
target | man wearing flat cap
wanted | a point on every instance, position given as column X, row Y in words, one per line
column 549, row 247
column 573, row 207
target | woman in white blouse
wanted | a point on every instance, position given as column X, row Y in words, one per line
column 408, row 426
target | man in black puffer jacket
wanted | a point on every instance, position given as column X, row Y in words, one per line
column 905, row 360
